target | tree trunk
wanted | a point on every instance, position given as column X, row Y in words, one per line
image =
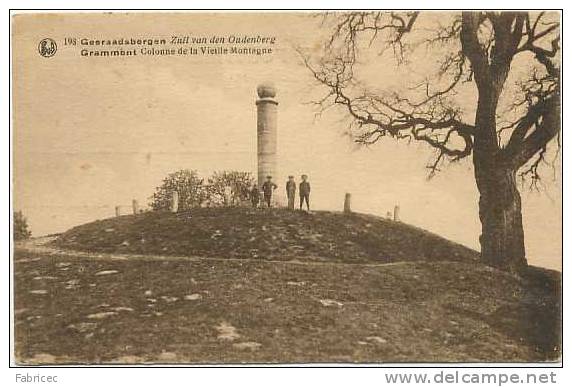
column 502, row 238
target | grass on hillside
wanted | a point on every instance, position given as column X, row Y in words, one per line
column 292, row 301
column 276, row 234
column 77, row 309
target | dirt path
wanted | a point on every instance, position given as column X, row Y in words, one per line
column 41, row 245
column 74, row 307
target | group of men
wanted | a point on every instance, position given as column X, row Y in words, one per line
column 269, row 186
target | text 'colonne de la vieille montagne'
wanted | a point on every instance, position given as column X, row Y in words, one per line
column 178, row 45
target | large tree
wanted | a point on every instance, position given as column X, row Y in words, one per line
column 493, row 93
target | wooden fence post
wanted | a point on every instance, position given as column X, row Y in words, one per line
column 348, row 203
column 396, row 213
column 175, row 202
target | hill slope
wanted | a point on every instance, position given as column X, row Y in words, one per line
column 275, row 234
column 242, row 285
column 107, row 309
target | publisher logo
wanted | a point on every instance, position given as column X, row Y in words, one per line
column 47, row 47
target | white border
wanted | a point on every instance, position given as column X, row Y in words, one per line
column 247, row 376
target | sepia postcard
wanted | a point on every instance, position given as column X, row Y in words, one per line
column 356, row 187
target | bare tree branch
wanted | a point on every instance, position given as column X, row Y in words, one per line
column 488, row 43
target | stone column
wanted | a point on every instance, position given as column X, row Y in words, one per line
column 396, row 213
column 135, row 207
column 347, row 203
column 267, row 132
column 175, row 202
column 117, row 210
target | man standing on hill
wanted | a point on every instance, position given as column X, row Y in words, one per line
column 291, row 191
column 305, row 192
column 254, row 195
column 267, row 188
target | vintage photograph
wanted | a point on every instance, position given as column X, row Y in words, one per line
column 356, row 187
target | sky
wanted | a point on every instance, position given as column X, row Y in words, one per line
column 93, row 133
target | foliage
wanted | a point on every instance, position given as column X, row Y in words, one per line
column 189, row 186
column 239, row 183
column 194, row 192
column 21, row 230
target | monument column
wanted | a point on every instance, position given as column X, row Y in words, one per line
column 267, row 131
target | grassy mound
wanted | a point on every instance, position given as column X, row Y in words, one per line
column 275, row 234
column 77, row 307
